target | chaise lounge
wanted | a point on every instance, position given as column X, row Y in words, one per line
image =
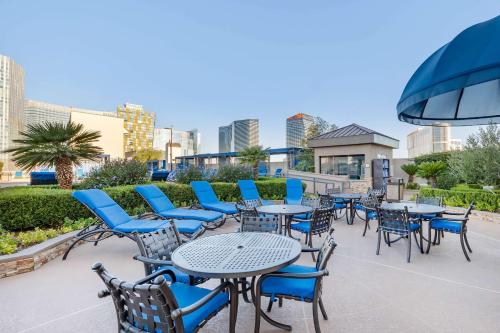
column 208, row 200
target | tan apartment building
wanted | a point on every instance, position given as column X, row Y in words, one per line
column 139, row 125
column 428, row 140
column 108, row 124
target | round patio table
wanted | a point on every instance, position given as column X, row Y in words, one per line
column 237, row 256
column 283, row 210
column 349, row 199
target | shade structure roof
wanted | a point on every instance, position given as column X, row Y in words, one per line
column 459, row 84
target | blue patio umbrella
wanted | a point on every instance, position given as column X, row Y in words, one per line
column 459, row 84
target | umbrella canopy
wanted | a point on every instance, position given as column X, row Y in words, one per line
column 459, row 84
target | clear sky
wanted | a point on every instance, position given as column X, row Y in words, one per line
column 202, row 64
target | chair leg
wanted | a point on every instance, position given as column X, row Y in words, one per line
column 257, row 309
column 322, row 308
column 367, row 222
column 315, row 315
column 467, row 242
column 463, row 246
column 280, row 302
column 434, row 242
column 389, row 239
column 409, row 248
column 233, row 310
column 429, row 235
column 270, row 305
column 379, row 239
column 310, row 246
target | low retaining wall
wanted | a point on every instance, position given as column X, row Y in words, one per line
column 34, row 257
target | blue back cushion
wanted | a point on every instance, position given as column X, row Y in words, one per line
column 103, row 206
column 204, row 192
column 248, row 189
column 294, row 188
column 158, row 201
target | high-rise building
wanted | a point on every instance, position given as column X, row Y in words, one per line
column 296, row 129
column 11, row 107
column 427, row 140
column 173, row 143
column 107, row 123
column 239, row 135
column 139, row 125
column 456, row 144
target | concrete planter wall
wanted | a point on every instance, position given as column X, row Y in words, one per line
column 34, row 257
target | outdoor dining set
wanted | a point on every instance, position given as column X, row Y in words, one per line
column 256, row 261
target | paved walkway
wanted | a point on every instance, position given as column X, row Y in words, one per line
column 439, row 292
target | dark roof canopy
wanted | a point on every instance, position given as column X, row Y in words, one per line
column 351, row 135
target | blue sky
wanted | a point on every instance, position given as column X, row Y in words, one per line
column 202, row 64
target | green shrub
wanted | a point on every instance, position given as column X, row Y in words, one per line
column 483, row 200
column 188, row 175
column 25, row 208
column 232, row 173
column 8, row 244
column 446, row 180
column 412, row 186
column 32, row 237
column 115, row 173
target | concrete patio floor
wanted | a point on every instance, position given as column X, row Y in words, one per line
column 439, row 292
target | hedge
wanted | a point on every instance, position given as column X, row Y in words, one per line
column 483, row 200
column 25, row 208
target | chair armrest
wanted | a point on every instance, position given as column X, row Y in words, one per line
column 150, row 216
column 156, row 274
column 301, row 220
column 310, row 249
column 193, row 307
column 452, row 219
column 452, row 213
column 156, row 262
column 310, row 275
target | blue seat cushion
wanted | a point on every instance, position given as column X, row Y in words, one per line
column 142, row 226
column 372, row 215
column 303, row 227
column 301, row 288
column 446, row 225
column 387, row 226
column 223, row 207
column 180, row 276
column 187, row 295
column 191, row 214
column 304, row 216
column 359, row 206
column 427, row 216
column 188, row 226
column 340, row 205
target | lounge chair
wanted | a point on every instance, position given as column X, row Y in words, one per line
column 294, row 191
column 262, row 170
column 278, row 173
column 208, row 200
column 249, row 191
column 152, row 305
column 115, row 221
column 161, row 205
column 296, row 282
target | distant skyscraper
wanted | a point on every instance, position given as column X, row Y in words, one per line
column 296, row 129
column 427, row 140
column 107, row 123
column 183, row 142
column 11, row 107
column 139, row 125
column 239, row 135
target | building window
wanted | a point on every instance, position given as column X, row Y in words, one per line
column 343, row 165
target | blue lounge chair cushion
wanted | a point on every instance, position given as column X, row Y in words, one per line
column 446, row 225
column 301, row 288
column 223, row 207
column 180, row 276
column 103, row 206
column 141, row 226
column 294, row 191
column 248, row 189
column 188, row 226
column 187, row 295
column 303, row 227
column 204, row 192
column 158, row 201
column 192, row 214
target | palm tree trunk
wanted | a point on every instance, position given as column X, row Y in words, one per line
column 410, row 178
column 64, row 173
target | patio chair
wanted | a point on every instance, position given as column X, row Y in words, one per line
column 377, row 192
column 294, row 191
column 115, row 221
column 455, row 225
column 156, row 250
column 249, row 191
column 259, row 224
column 338, row 203
column 296, row 282
column 209, row 201
column 262, row 171
column 152, row 305
column 319, row 223
column 397, row 222
column 435, row 201
column 368, row 205
column 278, row 173
column 161, row 205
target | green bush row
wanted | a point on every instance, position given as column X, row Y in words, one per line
column 482, row 200
column 25, row 208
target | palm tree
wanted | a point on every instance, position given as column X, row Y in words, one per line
column 430, row 170
column 253, row 156
column 55, row 144
column 411, row 170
